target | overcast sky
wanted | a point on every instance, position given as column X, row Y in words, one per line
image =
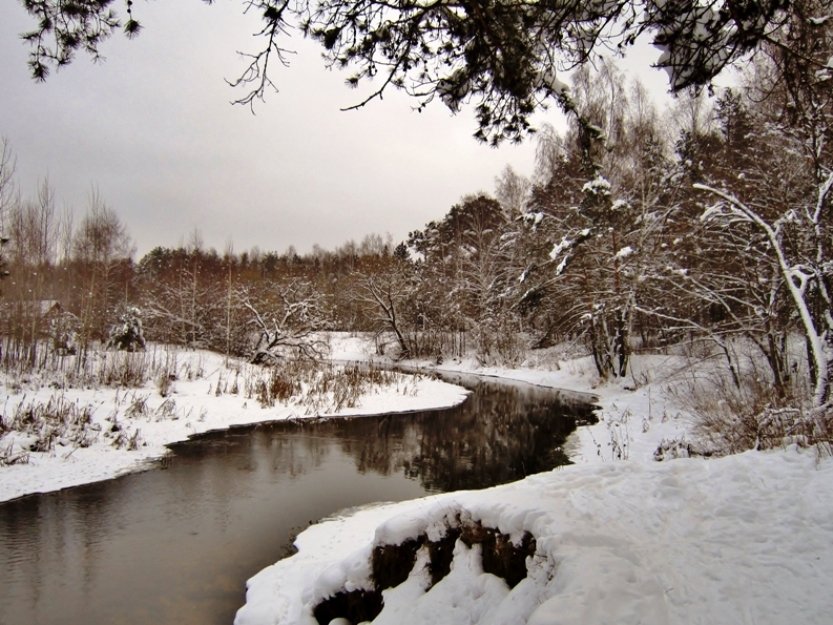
column 153, row 129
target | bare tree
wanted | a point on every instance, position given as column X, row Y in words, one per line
column 101, row 236
column 66, row 232
column 287, row 319
column 179, row 312
column 44, row 226
column 387, row 294
column 512, row 191
column 100, row 246
column 7, row 169
column 802, row 275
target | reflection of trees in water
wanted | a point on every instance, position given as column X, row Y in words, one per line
column 295, row 456
column 275, row 448
column 501, row 433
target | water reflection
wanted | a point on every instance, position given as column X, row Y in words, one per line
column 175, row 544
column 501, row 434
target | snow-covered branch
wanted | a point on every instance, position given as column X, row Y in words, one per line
column 287, row 321
column 795, row 276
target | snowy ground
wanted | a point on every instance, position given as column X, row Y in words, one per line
column 192, row 406
column 619, row 537
column 745, row 539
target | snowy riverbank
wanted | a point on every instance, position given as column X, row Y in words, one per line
column 742, row 539
column 633, row 418
column 618, row 537
column 147, row 421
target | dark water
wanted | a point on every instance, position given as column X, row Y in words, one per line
column 175, row 544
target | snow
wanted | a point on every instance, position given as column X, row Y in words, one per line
column 624, row 252
column 534, row 218
column 550, row 78
column 742, row 539
column 620, row 538
column 559, row 247
column 193, row 407
column 598, row 186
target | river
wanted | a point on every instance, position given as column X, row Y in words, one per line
column 175, row 544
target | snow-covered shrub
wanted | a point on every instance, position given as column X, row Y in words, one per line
column 127, row 440
column 279, row 385
column 138, row 406
column 671, row 448
column 127, row 335
column 775, row 425
column 167, row 409
column 125, row 369
column 619, row 435
column 317, row 388
column 164, row 384
column 727, row 424
column 63, row 330
column 500, row 344
column 734, row 413
column 44, row 424
column 12, row 453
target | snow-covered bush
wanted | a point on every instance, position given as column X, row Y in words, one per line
column 315, row 388
column 771, row 427
column 500, row 344
column 38, row 426
column 63, row 330
column 729, row 417
column 279, row 385
column 127, row 335
column 11, row 452
column 669, row 449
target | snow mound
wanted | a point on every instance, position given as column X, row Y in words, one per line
column 741, row 539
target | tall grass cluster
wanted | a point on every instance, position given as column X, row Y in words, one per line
column 99, row 367
column 321, row 388
column 736, row 413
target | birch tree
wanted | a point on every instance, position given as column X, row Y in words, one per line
column 388, row 295
column 805, row 272
column 784, row 194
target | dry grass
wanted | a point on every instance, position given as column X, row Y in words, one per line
column 730, row 418
column 319, row 388
column 47, row 424
column 42, row 418
column 104, row 369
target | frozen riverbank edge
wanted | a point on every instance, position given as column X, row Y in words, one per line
column 619, row 537
column 191, row 408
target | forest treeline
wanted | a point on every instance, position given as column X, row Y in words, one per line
column 636, row 231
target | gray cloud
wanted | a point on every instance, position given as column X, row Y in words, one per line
column 154, row 130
